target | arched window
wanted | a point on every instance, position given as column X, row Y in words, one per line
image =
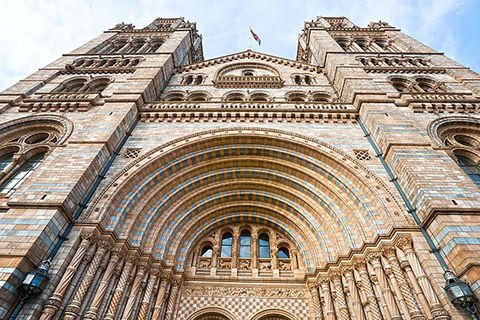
column 296, row 97
column 258, row 96
column 175, row 96
column 23, row 173
column 226, row 245
column 188, row 80
column 199, row 80
column 425, row 84
column 283, row 253
column 234, row 97
column 264, row 246
column 5, row 160
column 75, row 86
column 307, row 80
column 401, row 84
column 470, row 168
column 298, row 80
column 245, row 244
column 207, row 252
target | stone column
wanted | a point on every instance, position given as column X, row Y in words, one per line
column 72, row 288
column 274, row 256
column 142, row 314
column 162, row 289
column 254, row 250
column 438, row 312
column 378, row 293
column 172, row 299
column 355, row 298
column 142, row 267
column 374, row 259
column 55, row 301
column 367, row 288
column 416, row 288
column 317, row 309
column 414, row 311
column 116, row 254
column 215, row 254
column 95, row 283
column 235, row 248
column 74, row 306
column 340, row 297
column 329, row 309
column 102, row 308
column 130, row 261
column 293, row 258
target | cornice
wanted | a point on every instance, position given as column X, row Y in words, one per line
column 249, row 54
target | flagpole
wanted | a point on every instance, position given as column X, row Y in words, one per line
column 250, row 39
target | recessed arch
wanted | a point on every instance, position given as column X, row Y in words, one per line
column 212, row 313
column 141, row 216
column 274, row 314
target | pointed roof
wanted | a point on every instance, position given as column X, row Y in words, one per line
column 249, row 54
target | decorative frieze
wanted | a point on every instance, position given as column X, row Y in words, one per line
column 264, row 292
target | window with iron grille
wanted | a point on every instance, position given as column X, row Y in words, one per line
column 362, row 155
column 132, row 153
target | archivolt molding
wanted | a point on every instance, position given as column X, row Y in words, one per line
column 127, row 215
column 212, row 313
column 59, row 124
column 436, row 127
column 274, row 314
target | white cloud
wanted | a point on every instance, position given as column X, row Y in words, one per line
column 36, row 32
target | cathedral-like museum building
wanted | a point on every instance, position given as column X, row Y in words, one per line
column 140, row 181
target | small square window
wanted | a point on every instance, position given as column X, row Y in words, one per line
column 362, row 155
column 132, row 153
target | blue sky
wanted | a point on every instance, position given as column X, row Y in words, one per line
column 36, row 32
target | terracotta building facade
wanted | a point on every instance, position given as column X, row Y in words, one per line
column 153, row 184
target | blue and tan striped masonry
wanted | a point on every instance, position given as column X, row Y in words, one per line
column 186, row 161
column 226, row 174
column 367, row 211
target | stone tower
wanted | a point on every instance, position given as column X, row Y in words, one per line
column 154, row 184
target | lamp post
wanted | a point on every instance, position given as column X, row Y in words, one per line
column 34, row 283
column 460, row 293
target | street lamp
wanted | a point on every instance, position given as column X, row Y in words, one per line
column 34, row 283
column 460, row 293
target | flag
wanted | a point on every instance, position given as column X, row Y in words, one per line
column 256, row 37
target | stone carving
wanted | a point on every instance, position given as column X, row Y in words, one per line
column 244, row 292
column 285, row 265
column 225, row 264
column 244, row 264
column 205, row 263
column 265, row 265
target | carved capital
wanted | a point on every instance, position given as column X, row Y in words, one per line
column 88, row 235
column 312, row 286
column 176, row 282
column 131, row 259
column 143, row 266
column 104, row 244
column 323, row 281
column 404, row 243
column 155, row 271
column 347, row 271
column 117, row 253
column 389, row 252
column 373, row 258
column 337, row 277
column 361, row 265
